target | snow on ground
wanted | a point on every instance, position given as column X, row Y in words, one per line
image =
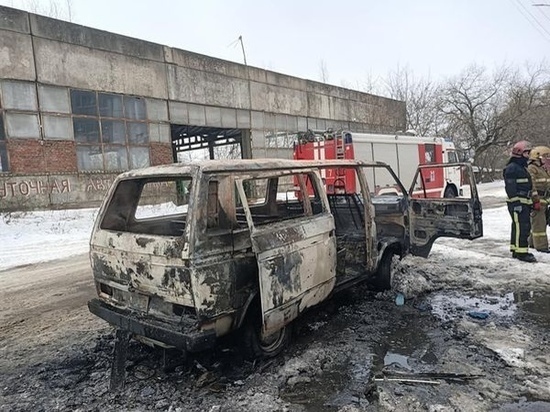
column 33, row 237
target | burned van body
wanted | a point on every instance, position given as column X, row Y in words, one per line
column 184, row 254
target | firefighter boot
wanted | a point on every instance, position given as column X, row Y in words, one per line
column 524, row 257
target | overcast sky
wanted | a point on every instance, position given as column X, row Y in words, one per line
column 355, row 38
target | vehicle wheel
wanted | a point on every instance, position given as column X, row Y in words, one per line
column 254, row 347
column 450, row 193
column 382, row 279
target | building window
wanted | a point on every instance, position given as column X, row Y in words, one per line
column 19, row 95
column 3, row 150
column 111, row 131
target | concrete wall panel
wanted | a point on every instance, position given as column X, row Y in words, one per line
column 243, row 119
column 229, row 118
column 16, row 57
column 59, row 30
column 81, row 67
column 277, row 99
column 278, row 79
column 204, row 63
column 197, row 115
column 178, row 112
column 257, row 75
column 359, row 111
column 14, row 20
column 190, row 85
column 157, row 110
column 318, row 105
column 328, row 90
column 213, row 116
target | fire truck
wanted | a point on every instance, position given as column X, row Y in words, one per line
column 404, row 153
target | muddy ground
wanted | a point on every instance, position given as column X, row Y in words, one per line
column 354, row 353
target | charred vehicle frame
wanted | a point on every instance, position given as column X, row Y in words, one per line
column 184, row 254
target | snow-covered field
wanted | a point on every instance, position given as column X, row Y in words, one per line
column 41, row 236
column 34, row 237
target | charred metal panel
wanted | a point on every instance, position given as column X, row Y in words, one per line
column 433, row 218
column 297, row 262
column 146, row 265
column 352, row 255
column 213, row 287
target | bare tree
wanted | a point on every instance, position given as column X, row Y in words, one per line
column 372, row 84
column 484, row 110
column 528, row 106
column 53, row 8
column 420, row 95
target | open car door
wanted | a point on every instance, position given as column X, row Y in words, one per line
column 292, row 233
column 432, row 217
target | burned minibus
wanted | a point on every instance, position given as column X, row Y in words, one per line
column 184, row 254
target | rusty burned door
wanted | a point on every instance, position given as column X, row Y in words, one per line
column 293, row 238
column 433, row 217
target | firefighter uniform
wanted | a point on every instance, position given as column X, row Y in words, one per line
column 518, row 186
column 541, row 197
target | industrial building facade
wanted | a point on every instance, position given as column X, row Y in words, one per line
column 79, row 105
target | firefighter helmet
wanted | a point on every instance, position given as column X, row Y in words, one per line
column 539, row 153
column 521, row 147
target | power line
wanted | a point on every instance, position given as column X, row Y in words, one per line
column 540, row 8
column 541, row 32
column 533, row 17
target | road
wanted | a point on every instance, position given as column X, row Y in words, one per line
column 56, row 356
column 44, row 305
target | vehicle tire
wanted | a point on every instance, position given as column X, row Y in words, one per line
column 450, row 193
column 381, row 281
column 254, row 347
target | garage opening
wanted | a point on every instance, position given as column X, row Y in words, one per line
column 201, row 142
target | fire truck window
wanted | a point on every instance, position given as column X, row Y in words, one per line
column 453, row 158
column 429, row 153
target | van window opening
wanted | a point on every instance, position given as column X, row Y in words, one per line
column 281, row 198
column 150, row 206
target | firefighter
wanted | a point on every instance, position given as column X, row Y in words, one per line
column 517, row 182
column 541, row 197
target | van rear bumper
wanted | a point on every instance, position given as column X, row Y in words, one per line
column 191, row 341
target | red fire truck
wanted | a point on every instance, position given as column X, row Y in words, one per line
column 402, row 152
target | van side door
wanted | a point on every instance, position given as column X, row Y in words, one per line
column 433, row 217
column 292, row 234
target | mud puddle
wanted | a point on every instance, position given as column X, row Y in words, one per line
column 535, row 306
column 403, row 345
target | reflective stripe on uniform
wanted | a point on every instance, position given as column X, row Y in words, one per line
column 523, row 180
column 542, row 179
column 522, row 250
column 516, row 223
column 538, row 234
column 523, row 200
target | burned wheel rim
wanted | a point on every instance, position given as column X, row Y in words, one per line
column 273, row 342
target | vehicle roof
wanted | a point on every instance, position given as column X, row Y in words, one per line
column 240, row 165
